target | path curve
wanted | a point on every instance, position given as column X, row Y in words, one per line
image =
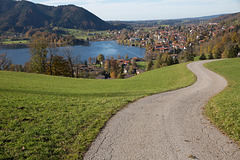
column 167, row 126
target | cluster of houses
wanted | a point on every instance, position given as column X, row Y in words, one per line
column 84, row 70
column 163, row 41
column 170, row 38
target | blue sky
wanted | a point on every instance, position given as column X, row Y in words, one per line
column 150, row 9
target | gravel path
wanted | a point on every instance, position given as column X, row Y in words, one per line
column 167, row 126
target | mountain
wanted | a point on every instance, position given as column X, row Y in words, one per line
column 179, row 21
column 18, row 15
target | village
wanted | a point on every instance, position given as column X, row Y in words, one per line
column 171, row 41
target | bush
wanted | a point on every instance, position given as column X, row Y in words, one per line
column 210, row 56
column 149, row 65
column 202, row 57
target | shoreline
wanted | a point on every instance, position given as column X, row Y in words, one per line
column 85, row 51
column 14, row 45
column 27, row 45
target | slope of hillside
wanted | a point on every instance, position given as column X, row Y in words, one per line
column 228, row 19
column 151, row 23
column 18, row 15
column 48, row 117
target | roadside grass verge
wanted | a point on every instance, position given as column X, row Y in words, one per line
column 224, row 108
column 49, row 117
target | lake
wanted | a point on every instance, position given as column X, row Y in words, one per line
column 107, row 48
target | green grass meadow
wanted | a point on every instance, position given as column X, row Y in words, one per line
column 48, row 117
column 8, row 41
column 142, row 65
column 81, row 34
column 224, row 108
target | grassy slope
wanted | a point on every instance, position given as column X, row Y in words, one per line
column 224, row 108
column 48, row 117
column 84, row 34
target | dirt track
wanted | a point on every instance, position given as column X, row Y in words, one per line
column 167, row 126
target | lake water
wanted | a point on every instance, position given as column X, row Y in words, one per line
column 107, row 48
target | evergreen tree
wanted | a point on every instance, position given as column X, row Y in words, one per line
column 169, row 60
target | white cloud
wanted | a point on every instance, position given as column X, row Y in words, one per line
column 151, row 9
column 77, row 2
column 166, row 9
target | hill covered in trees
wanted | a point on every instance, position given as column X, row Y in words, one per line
column 20, row 15
column 228, row 19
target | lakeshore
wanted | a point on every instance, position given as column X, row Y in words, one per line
column 107, row 48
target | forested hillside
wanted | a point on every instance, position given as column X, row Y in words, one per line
column 229, row 19
column 20, row 15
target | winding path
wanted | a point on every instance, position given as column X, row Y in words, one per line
column 167, row 126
